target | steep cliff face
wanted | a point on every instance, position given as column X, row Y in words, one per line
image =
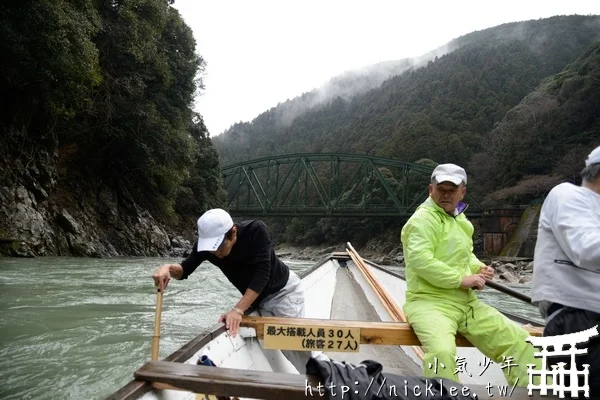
column 43, row 213
column 97, row 125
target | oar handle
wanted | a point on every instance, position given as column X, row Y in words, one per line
column 509, row 291
column 156, row 337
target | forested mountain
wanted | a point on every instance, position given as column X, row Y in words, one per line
column 98, row 127
column 479, row 105
column 543, row 140
column 424, row 112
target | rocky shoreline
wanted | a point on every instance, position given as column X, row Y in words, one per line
column 517, row 271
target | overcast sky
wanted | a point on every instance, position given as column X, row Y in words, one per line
column 259, row 53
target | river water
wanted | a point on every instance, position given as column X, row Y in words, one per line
column 76, row 328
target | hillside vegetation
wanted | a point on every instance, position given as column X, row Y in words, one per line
column 543, row 140
column 98, row 126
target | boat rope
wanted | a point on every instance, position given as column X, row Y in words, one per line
column 388, row 303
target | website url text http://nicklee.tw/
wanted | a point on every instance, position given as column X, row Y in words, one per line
column 425, row 389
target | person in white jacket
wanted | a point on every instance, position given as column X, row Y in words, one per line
column 566, row 269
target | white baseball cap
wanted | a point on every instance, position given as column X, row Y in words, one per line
column 212, row 227
column 594, row 157
column 449, row 173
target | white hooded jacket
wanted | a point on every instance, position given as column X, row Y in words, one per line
column 567, row 252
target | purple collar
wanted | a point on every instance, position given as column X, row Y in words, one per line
column 461, row 207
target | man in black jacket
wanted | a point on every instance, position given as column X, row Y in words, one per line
column 244, row 252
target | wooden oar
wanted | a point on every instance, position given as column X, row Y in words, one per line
column 156, row 337
column 509, row 291
column 374, row 285
column 389, row 304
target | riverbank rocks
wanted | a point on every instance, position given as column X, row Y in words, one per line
column 309, row 253
column 509, row 270
column 180, row 247
column 42, row 216
column 514, row 271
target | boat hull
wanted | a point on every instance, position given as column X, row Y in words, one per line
column 335, row 289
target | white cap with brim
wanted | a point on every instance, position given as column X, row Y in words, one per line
column 212, row 227
column 594, row 157
column 449, row 173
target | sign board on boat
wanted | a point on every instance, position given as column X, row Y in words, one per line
column 311, row 338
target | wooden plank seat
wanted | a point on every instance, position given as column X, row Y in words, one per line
column 258, row 384
column 377, row 333
column 226, row 381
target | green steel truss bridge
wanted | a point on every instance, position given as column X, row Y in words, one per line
column 328, row 185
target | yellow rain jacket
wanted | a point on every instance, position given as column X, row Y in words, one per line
column 438, row 254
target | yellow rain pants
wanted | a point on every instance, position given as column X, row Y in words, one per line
column 498, row 338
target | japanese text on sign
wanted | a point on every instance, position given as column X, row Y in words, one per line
column 311, row 338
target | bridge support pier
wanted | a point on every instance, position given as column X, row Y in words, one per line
column 498, row 226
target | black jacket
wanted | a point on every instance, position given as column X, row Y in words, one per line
column 251, row 264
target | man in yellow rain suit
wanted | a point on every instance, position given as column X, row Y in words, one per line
column 441, row 273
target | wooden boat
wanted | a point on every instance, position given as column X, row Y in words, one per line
column 341, row 291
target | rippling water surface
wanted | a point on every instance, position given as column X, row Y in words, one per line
column 74, row 328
